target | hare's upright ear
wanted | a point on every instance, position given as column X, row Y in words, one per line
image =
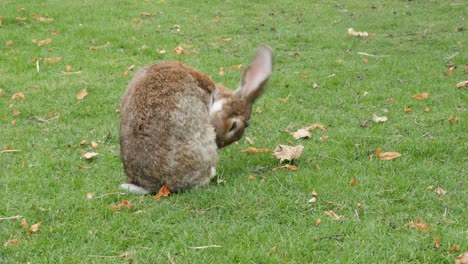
column 255, row 77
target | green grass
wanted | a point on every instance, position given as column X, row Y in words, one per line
column 267, row 219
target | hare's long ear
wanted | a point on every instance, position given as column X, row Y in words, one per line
column 255, row 77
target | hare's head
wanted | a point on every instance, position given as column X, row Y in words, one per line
column 230, row 110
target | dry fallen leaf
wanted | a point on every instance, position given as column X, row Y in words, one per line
column 81, row 94
column 462, row 259
column 462, row 84
column 306, row 132
column 163, row 192
column 440, row 191
column 33, row 229
column 19, row 95
column 90, row 155
column 436, row 242
column 454, row 248
column 42, row 19
column 454, row 119
column 89, row 195
column 53, row 60
column 221, row 71
column 354, row 33
column 68, row 68
column 318, row 221
column 421, row 96
column 451, row 69
column 123, row 204
column 418, row 225
column 10, row 242
column 313, row 199
column 379, row 119
column 180, row 50
column 145, row 14
column 386, row 155
column 9, row 43
column 255, row 150
column 335, row 217
column 287, row 166
column 407, row 109
column 94, row 144
column 314, row 192
column 125, row 73
column 16, row 112
column 353, row 182
column 40, row 43
column 290, row 153
column 236, row 67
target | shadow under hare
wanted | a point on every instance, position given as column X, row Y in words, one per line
column 173, row 120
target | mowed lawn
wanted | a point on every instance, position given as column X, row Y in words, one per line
column 388, row 89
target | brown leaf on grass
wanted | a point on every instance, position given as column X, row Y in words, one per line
column 180, row 51
column 462, row 84
column 221, row 71
column 306, row 132
column 40, row 43
column 236, row 67
column 379, row 119
column 53, row 60
column 94, row 144
column 16, row 112
column 130, row 68
column 90, row 155
column 42, row 19
column 462, row 259
column 318, row 221
column 354, row 33
column 287, row 166
column 123, row 204
column 436, row 242
column 386, row 155
column 453, row 248
column 285, row 152
column 407, row 109
column 32, row 229
column 255, row 150
column 334, row 216
column 163, row 192
column 81, row 94
column 13, row 122
column 454, row 119
column 353, row 182
column 145, row 14
column 10, row 242
column 19, row 95
column 9, row 43
column 90, row 195
column 68, row 68
column 440, row 191
column 313, row 199
column 418, row 225
column 314, row 192
column 451, row 69
column 421, row 96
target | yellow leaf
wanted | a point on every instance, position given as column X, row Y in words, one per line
column 81, row 94
column 462, row 84
column 421, row 96
column 34, row 228
column 163, row 192
column 450, row 70
column 236, row 67
column 454, row 248
column 305, row 132
column 389, row 155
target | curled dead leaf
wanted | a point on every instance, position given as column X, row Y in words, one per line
column 379, row 119
column 353, row 182
column 436, row 242
column 221, row 71
column 42, row 19
column 287, row 166
column 454, row 119
column 407, row 109
column 386, row 155
column 90, row 155
column 163, row 192
column 306, row 132
column 418, row 225
column 40, row 43
column 94, row 144
column 421, row 96
column 462, row 84
column 440, row 191
column 180, row 51
column 53, row 60
column 334, row 216
column 123, row 204
column 9, row 43
column 285, row 152
column 19, row 95
column 256, row 150
column 10, row 242
column 32, row 229
column 81, row 94
column 354, row 33
column 453, row 248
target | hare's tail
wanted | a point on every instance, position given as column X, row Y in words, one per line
column 132, row 188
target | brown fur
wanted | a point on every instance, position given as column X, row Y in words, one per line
column 168, row 132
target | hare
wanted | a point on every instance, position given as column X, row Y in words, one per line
column 173, row 119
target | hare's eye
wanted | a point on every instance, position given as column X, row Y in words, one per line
column 233, row 126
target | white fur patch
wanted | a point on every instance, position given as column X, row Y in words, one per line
column 213, row 171
column 216, row 106
column 132, row 188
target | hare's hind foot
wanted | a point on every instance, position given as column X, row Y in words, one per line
column 135, row 189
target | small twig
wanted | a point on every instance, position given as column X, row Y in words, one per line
column 10, row 150
column 357, row 214
column 11, row 217
column 37, row 66
column 205, row 247
column 109, row 194
column 372, row 55
column 452, row 56
column 445, row 211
